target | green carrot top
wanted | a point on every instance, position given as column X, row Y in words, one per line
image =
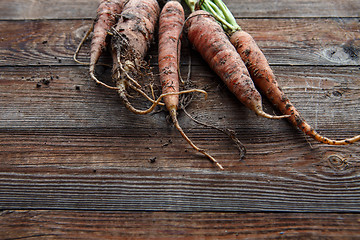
column 219, row 10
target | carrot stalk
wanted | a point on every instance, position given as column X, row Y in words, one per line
column 262, row 74
column 170, row 27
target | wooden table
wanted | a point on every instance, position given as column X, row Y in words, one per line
column 75, row 164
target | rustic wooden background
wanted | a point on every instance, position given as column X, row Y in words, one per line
column 74, row 163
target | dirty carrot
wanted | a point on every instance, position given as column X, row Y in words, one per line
column 261, row 72
column 212, row 43
column 107, row 13
column 131, row 38
column 170, row 27
column 265, row 80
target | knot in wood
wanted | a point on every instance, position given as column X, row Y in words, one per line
column 337, row 162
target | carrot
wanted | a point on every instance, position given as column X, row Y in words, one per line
column 170, row 27
column 211, row 42
column 265, row 80
column 262, row 74
column 107, row 13
column 132, row 36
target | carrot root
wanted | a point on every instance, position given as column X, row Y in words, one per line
column 93, row 77
column 230, row 133
column 122, row 84
column 173, row 114
column 328, row 141
column 80, row 45
column 265, row 80
column 122, row 92
column 269, row 116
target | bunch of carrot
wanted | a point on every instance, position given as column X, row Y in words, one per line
column 131, row 25
column 238, row 61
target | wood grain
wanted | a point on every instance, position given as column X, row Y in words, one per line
column 69, row 149
column 57, row 126
column 311, row 188
column 326, row 96
column 75, row 164
column 294, row 8
column 186, row 225
column 284, row 41
column 62, row 9
column 80, row 9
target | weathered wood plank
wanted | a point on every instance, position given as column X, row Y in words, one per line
column 284, row 41
column 80, row 9
column 69, row 149
column 294, row 8
column 64, row 134
column 68, row 144
column 327, row 97
column 182, row 189
column 163, row 225
column 63, row 9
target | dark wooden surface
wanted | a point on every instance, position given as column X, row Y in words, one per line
column 75, row 164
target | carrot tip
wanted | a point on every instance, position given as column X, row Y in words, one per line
column 219, row 165
column 92, row 75
column 172, row 112
column 266, row 115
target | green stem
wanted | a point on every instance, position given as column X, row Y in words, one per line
column 218, row 15
column 220, row 11
column 228, row 15
column 210, row 6
column 191, row 4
